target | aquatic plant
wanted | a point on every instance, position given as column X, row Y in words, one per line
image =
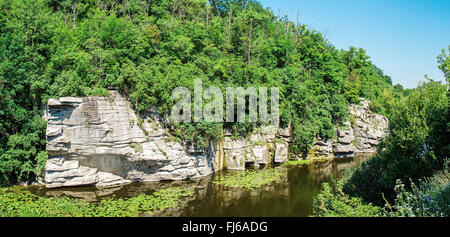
column 249, row 179
column 297, row 162
column 26, row 204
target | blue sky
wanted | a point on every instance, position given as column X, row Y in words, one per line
column 402, row 37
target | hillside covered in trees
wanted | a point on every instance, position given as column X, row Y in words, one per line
column 146, row 48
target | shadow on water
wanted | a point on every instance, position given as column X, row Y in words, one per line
column 291, row 195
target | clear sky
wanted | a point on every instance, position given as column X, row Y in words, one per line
column 402, row 37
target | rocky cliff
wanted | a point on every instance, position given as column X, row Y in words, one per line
column 100, row 141
column 359, row 135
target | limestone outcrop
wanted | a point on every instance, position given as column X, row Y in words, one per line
column 263, row 147
column 368, row 128
column 361, row 134
column 101, row 141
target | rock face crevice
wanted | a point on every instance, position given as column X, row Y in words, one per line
column 100, row 141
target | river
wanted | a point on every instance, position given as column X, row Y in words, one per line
column 291, row 195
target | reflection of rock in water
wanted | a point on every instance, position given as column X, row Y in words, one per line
column 344, row 163
column 94, row 194
column 322, row 170
column 217, row 200
column 291, row 195
column 90, row 196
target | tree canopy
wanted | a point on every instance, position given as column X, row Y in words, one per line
column 145, row 48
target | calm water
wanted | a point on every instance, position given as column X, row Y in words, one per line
column 291, row 195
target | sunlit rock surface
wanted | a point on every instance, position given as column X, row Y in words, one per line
column 368, row 128
column 264, row 146
column 100, row 141
column 361, row 134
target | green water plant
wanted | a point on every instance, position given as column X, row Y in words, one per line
column 25, row 204
column 297, row 162
column 249, row 179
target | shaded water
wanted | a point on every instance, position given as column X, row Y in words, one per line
column 291, row 195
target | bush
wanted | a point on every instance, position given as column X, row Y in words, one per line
column 340, row 108
column 23, row 152
column 375, row 106
column 365, row 180
column 335, row 203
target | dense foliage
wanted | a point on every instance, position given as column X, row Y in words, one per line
column 417, row 148
column 431, row 197
column 333, row 202
column 145, row 49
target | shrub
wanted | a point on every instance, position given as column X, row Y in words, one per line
column 375, row 106
column 138, row 148
column 335, row 203
column 418, row 145
column 364, row 180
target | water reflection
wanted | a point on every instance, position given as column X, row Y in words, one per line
column 291, row 195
